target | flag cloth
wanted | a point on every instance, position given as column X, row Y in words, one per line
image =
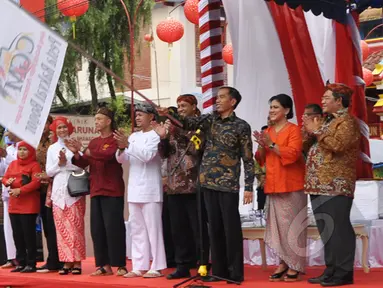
column 31, row 59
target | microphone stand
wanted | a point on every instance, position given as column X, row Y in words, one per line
column 202, row 270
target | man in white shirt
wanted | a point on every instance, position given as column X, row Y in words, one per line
column 8, row 155
column 145, row 195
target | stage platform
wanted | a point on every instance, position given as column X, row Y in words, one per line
column 254, row 275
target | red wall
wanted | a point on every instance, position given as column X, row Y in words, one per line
column 36, row 7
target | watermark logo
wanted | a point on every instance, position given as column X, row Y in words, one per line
column 15, row 64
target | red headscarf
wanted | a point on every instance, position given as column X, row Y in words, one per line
column 58, row 121
column 31, row 155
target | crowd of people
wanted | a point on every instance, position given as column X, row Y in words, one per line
column 166, row 172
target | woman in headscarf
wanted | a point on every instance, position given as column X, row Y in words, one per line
column 68, row 212
column 24, row 205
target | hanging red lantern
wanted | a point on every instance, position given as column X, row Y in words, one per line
column 367, row 77
column 148, row 37
column 73, row 9
column 170, row 30
column 227, row 54
column 365, row 49
column 191, row 11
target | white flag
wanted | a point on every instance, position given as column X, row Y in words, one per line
column 31, row 59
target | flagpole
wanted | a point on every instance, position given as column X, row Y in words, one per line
column 117, row 78
column 98, row 64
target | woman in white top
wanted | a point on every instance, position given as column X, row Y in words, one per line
column 10, row 155
column 145, row 193
column 68, row 212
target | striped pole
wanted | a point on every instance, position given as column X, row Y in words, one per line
column 210, row 39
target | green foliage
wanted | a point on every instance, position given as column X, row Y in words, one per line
column 103, row 33
column 120, row 108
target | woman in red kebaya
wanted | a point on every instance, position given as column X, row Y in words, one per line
column 24, row 205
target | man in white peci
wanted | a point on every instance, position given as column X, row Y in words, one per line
column 145, row 195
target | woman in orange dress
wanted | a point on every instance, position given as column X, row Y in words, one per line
column 281, row 148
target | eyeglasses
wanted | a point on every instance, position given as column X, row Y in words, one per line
column 310, row 114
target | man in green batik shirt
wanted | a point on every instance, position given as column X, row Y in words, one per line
column 228, row 140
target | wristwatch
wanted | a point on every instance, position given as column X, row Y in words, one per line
column 272, row 145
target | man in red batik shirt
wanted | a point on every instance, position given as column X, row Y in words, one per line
column 107, row 195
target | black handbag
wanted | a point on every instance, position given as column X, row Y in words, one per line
column 25, row 179
column 78, row 184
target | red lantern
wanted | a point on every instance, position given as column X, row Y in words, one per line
column 148, row 38
column 365, row 49
column 227, row 54
column 367, row 77
column 191, row 11
column 73, row 9
column 170, row 30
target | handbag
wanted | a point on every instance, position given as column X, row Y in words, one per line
column 78, row 184
column 25, row 179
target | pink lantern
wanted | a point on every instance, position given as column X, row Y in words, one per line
column 365, row 49
column 148, row 38
column 170, row 30
column 191, row 11
column 227, row 54
column 367, row 77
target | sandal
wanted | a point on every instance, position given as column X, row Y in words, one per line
column 65, row 271
column 133, row 274
column 101, row 272
column 152, row 274
column 76, row 271
column 121, row 271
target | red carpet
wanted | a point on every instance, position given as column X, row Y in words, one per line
column 254, row 276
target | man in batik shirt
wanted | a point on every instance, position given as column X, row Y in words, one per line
column 182, row 170
column 228, row 141
column 330, row 180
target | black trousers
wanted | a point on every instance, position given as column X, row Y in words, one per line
column 185, row 231
column 24, row 235
column 49, row 227
column 261, row 198
column 107, row 228
column 168, row 240
column 225, row 234
column 332, row 215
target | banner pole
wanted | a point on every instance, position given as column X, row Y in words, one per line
column 117, row 78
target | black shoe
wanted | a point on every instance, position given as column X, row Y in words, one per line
column 332, row 282
column 319, row 279
column 28, row 269
column 179, row 274
column 210, row 279
column 292, row 277
column 278, row 276
column 18, row 269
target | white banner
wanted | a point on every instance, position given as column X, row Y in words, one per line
column 84, row 127
column 31, row 59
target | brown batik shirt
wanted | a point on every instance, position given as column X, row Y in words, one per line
column 332, row 159
column 183, row 180
column 41, row 152
column 41, row 157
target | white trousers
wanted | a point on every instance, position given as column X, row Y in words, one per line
column 147, row 236
column 8, row 234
